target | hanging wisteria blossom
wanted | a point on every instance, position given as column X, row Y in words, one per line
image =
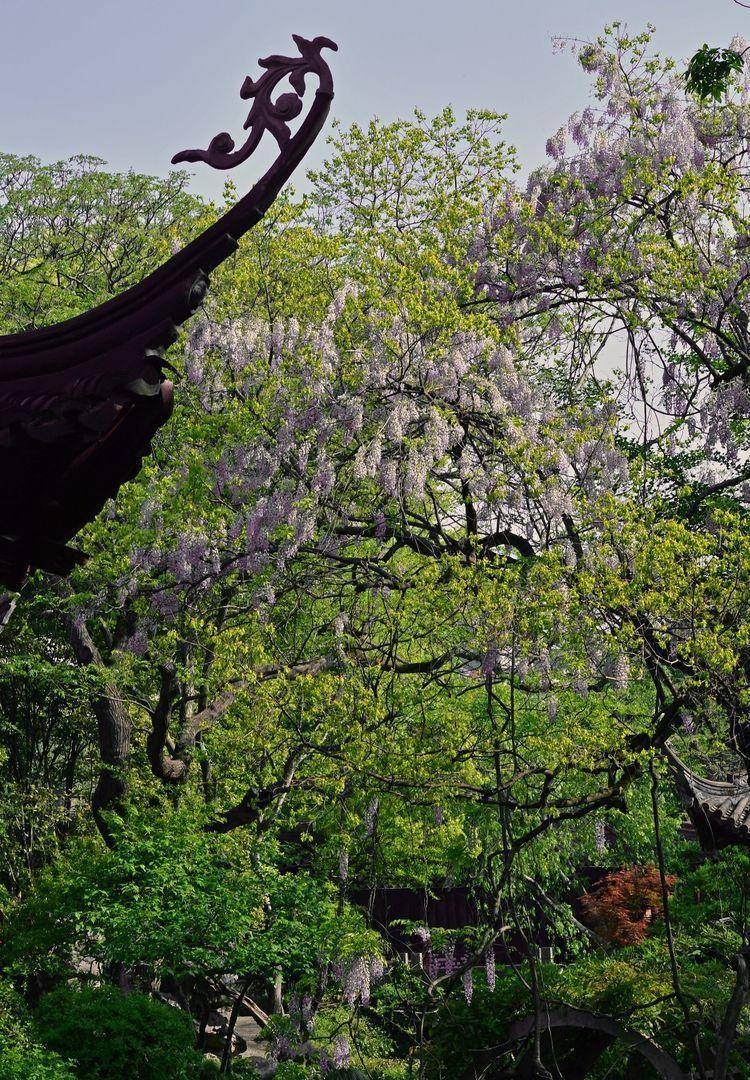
column 341, row 1052
column 489, row 965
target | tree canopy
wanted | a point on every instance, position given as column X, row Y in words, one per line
column 442, row 558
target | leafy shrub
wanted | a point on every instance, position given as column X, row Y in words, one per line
column 370, row 1040
column 459, row 1030
column 113, row 1037
column 292, row 1070
column 168, row 896
column 245, row 1069
column 21, row 1056
column 373, row 1069
column 32, row 1062
column 174, row 898
column 381, row 1069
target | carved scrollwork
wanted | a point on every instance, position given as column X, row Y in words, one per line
column 267, row 114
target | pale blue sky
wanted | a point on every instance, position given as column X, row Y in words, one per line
column 134, row 81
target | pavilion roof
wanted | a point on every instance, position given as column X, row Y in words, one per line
column 81, row 401
column 718, row 809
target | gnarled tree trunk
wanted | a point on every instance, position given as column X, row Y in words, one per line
column 114, row 728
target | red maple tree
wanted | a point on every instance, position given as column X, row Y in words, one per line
column 622, row 906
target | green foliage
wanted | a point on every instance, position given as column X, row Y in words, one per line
column 31, row 1061
column 168, row 896
column 710, row 70
column 22, row 1056
column 458, row 1031
column 386, row 1069
column 111, row 1036
column 180, row 902
column 718, row 887
column 245, row 1069
column 367, row 1036
column 73, row 234
column 292, row 1070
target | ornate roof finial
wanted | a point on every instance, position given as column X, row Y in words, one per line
column 267, row 114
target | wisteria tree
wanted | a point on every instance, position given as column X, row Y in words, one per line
column 445, row 545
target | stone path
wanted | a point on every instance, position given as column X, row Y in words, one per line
column 249, row 1030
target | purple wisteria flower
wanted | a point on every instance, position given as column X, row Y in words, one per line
column 371, row 815
column 490, row 661
column 341, row 1052
column 283, row 1049
column 424, row 935
column 688, row 724
column 357, row 981
column 137, row 643
column 600, row 835
column 489, row 967
column 556, row 144
column 449, row 958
